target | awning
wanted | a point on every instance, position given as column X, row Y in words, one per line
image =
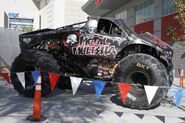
column 111, row 4
column 102, row 7
column 91, row 9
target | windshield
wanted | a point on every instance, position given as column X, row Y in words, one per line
column 123, row 26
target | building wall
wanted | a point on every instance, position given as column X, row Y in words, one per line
column 62, row 12
column 168, row 21
column 145, row 27
column 55, row 14
column 73, row 12
column 59, row 13
column 25, row 8
column 158, row 25
column 47, row 16
column 9, row 46
column 157, row 17
column 130, row 8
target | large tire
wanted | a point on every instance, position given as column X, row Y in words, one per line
column 141, row 69
column 29, row 61
column 64, row 83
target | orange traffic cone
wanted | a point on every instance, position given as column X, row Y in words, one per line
column 181, row 84
column 36, row 116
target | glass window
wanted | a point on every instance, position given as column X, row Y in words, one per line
column 21, row 20
column 43, row 3
column 122, row 15
column 27, row 20
column 47, row 1
column 20, row 23
column 168, row 7
column 109, row 28
column 144, row 11
column 137, row 15
column 151, row 9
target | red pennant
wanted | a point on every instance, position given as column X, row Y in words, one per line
column 124, row 89
column 53, row 79
column 6, row 77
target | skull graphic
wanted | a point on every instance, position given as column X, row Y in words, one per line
column 71, row 40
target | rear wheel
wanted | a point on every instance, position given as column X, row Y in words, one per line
column 29, row 61
column 64, row 83
column 141, row 69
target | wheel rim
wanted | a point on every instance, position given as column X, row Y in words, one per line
column 28, row 76
column 140, row 78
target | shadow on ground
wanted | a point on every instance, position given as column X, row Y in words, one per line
column 61, row 105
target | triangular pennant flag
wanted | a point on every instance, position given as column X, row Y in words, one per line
column 177, row 94
column 21, row 77
column 6, row 77
column 53, row 79
column 140, row 115
column 35, row 75
column 75, row 83
column 98, row 112
column 150, row 92
column 124, row 89
column 99, row 86
column 161, row 118
column 182, row 118
column 80, row 109
column 119, row 114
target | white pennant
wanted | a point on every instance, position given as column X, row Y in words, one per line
column 21, row 77
column 75, row 83
column 150, row 92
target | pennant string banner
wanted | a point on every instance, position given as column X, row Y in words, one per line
column 35, row 75
column 124, row 89
column 6, row 77
column 177, row 94
column 99, row 86
column 75, row 83
column 21, row 77
column 53, row 79
column 150, row 92
column 110, row 82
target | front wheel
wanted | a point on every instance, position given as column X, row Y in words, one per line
column 29, row 61
column 141, row 69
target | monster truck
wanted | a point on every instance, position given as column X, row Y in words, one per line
column 99, row 48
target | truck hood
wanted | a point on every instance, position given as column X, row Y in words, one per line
column 166, row 49
column 155, row 41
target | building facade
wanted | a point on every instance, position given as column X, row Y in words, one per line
column 27, row 15
column 57, row 13
column 154, row 16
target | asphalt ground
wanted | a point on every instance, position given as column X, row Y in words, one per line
column 63, row 107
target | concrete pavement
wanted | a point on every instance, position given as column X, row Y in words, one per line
column 63, row 107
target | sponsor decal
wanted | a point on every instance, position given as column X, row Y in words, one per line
column 131, row 97
column 140, row 65
column 26, row 40
column 94, row 46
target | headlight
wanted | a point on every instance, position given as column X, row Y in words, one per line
column 168, row 54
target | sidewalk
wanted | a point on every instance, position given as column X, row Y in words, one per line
column 63, row 107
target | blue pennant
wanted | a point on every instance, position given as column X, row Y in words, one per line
column 178, row 94
column 35, row 75
column 99, row 86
